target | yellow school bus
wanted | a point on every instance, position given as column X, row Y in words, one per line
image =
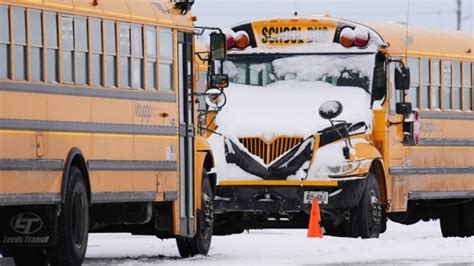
column 375, row 120
column 97, row 127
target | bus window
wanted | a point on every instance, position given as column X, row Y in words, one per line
column 435, row 84
column 125, row 54
column 81, row 48
column 425, row 81
column 68, row 48
column 151, row 58
column 447, row 85
column 456, row 85
column 4, row 43
column 19, row 41
column 52, row 46
column 36, row 45
column 166, row 59
column 414, row 66
column 110, row 53
column 467, row 86
column 137, row 56
column 96, row 51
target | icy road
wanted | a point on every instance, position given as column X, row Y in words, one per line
column 417, row 244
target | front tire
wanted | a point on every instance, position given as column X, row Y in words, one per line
column 201, row 242
column 366, row 218
column 73, row 226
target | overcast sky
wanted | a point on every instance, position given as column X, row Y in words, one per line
column 439, row 14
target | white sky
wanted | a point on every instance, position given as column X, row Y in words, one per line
column 439, row 14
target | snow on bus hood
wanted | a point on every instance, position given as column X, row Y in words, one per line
column 287, row 108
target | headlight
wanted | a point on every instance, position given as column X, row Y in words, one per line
column 350, row 168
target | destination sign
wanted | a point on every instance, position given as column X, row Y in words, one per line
column 286, row 32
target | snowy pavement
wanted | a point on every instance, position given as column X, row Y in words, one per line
column 421, row 243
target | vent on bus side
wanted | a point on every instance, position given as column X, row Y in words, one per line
column 269, row 151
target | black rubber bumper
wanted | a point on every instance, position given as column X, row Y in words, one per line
column 285, row 198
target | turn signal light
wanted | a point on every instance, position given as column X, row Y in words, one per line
column 354, row 37
column 242, row 40
column 230, row 41
column 347, row 37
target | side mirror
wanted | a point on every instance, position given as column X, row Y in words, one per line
column 330, row 110
column 219, row 81
column 403, row 108
column 218, row 46
column 402, row 78
column 215, row 98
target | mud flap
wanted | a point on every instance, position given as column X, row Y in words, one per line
column 32, row 226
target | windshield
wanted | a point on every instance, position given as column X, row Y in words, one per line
column 336, row 69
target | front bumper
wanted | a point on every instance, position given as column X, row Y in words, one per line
column 284, row 196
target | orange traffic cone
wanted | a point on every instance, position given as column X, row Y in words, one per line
column 314, row 228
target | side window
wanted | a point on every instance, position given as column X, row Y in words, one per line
column 125, row 55
column 19, row 41
column 457, row 85
column 447, row 85
column 435, row 87
column 82, row 50
column 151, row 58
column 467, row 86
column 68, row 48
column 110, row 53
column 414, row 65
column 36, row 45
column 137, row 56
column 4, row 43
column 425, row 82
column 52, row 53
column 166, row 59
column 96, row 51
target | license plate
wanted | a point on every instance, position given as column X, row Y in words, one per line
column 323, row 197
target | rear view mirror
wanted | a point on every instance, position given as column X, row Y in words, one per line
column 330, row 110
column 402, row 78
column 219, row 81
column 215, row 98
column 218, row 46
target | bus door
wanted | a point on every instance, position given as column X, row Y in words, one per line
column 186, row 133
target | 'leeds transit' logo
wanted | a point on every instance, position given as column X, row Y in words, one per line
column 26, row 223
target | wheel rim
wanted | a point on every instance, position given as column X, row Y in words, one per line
column 207, row 220
column 78, row 222
column 375, row 210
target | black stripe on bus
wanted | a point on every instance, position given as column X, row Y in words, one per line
column 38, row 125
column 450, row 116
column 131, row 165
column 31, row 165
column 431, row 170
column 440, row 194
column 117, row 197
column 95, row 92
column 447, row 142
column 29, row 199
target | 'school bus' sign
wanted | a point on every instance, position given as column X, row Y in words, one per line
column 288, row 32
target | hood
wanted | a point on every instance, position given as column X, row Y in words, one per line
column 288, row 108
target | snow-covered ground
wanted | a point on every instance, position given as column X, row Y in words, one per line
column 421, row 243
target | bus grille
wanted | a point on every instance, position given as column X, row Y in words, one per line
column 269, row 151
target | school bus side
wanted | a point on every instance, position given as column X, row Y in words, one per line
column 434, row 179
column 93, row 94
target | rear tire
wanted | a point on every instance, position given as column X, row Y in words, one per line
column 73, row 226
column 201, row 242
column 366, row 218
